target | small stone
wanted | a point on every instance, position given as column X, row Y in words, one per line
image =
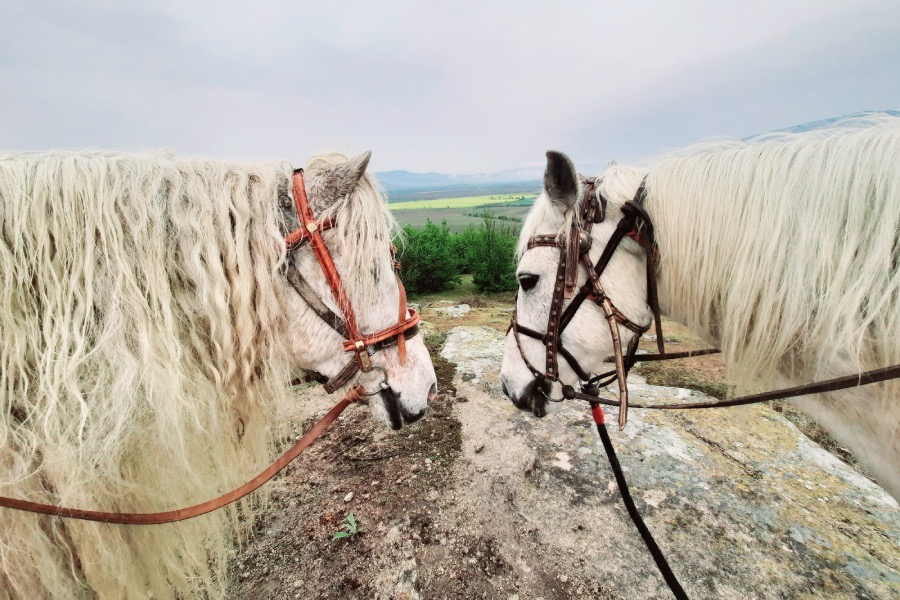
column 479, row 448
column 348, row 497
column 564, row 578
column 297, row 583
column 374, row 483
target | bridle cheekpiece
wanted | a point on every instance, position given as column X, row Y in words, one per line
column 362, row 345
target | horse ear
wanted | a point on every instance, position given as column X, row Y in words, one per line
column 561, row 180
column 348, row 173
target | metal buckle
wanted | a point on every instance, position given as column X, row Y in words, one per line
column 365, row 363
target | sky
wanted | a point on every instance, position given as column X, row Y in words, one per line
column 449, row 86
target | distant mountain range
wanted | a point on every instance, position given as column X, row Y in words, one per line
column 405, row 185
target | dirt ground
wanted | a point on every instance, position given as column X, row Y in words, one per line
column 399, row 487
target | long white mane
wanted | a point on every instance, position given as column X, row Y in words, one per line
column 140, row 359
column 367, row 227
column 786, row 249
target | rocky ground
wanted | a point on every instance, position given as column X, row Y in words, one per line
column 480, row 500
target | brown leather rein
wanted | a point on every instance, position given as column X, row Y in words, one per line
column 181, row 514
column 637, row 225
column 309, row 232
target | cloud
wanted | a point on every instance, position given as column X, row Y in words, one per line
column 454, row 87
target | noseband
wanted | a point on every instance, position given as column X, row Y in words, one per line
column 574, row 250
column 362, row 345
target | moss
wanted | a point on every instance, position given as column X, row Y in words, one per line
column 661, row 374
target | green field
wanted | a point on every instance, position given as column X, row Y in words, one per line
column 456, row 218
column 469, row 202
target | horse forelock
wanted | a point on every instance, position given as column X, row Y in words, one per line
column 616, row 184
column 365, row 231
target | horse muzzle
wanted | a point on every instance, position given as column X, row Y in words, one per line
column 397, row 412
column 533, row 397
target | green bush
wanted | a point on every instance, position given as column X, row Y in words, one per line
column 427, row 262
column 493, row 262
column 463, row 246
column 433, row 258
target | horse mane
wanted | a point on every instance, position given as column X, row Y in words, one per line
column 140, row 361
column 366, row 228
column 785, row 247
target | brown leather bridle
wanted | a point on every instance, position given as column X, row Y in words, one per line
column 362, row 345
column 574, row 250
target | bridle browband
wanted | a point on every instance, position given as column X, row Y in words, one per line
column 362, row 345
column 574, row 250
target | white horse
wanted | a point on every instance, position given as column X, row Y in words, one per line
column 783, row 251
column 148, row 334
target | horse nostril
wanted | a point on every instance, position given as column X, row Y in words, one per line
column 432, row 392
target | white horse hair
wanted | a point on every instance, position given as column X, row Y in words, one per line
column 782, row 250
column 147, row 334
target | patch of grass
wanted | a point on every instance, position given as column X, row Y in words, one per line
column 661, row 374
column 465, row 293
column 456, row 218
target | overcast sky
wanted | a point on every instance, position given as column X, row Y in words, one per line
column 454, row 87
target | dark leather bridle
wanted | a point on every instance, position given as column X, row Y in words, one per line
column 362, row 345
column 574, row 250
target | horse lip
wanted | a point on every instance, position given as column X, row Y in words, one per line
column 389, row 399
column 539, row 403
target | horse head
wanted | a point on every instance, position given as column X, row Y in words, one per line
column 357, row 229
column 536, row 365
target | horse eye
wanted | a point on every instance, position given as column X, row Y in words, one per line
column 527, row 281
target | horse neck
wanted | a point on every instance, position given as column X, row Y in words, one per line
column 685, row 293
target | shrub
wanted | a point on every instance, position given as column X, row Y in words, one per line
column 427, row 261
column 493, row 260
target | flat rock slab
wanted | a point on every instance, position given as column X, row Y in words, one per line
column 460, row 310
column 742, row 503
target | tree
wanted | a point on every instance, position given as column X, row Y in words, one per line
column 493, row 261
column 427, row 262
column 463, row 246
